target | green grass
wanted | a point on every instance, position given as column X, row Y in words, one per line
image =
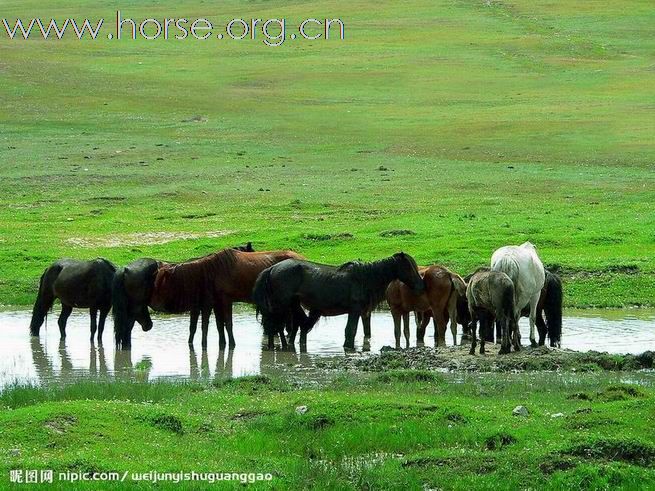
column 406, row 430
column 497, row 124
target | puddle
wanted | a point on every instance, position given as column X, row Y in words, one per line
column 163, row 352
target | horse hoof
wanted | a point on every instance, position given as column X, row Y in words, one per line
column 533, row 343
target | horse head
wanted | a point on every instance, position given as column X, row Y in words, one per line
column 407, row 272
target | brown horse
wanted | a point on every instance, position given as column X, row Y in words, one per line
column 215, row 281
column 443, row 288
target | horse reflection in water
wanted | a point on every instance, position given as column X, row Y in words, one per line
column 45, row 367
column 223, row 368
column 62, row 362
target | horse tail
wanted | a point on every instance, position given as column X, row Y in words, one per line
column 459, row 285
column 553, row 308
column 262, row 295
column 120, row 310
column 508, row 266
column 44, row 298
column 508, row 303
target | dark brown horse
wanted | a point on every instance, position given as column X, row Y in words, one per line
column 443, row 288
column 131, row 292
column 353, row 288
column 490, row 296
column 215, row 281
column 77, row 284
column 549, row 313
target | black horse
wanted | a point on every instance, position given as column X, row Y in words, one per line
column 77, row 284
column 353, row 288
column 131, row 293
column 549, row 306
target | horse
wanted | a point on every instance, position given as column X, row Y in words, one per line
column 550, row 303
column 354, row 288
column 131, row 291
column 77, row 284
column 213, row 282
column 490, row 296
column 550, row 306
column 525, row 269
column 442, row 291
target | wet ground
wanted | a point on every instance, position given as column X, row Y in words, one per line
column 164, row 353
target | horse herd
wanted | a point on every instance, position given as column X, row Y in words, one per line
column 291, row 294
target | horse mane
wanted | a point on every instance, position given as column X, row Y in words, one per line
column 374, row 278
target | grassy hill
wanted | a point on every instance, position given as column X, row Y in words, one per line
column 465, row 124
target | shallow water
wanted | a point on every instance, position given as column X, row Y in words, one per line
column 163, row 352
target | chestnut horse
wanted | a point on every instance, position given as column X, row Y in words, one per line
column 215, row 281
column 443, row 288
column 131, row 291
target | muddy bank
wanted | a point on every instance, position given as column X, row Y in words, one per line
column 457, row 358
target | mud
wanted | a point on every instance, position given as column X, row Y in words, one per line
column 457, row 358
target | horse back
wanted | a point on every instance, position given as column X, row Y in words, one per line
column 83, row 283
column 238, row 282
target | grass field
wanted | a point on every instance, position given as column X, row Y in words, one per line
column 399, row 430
column 470, row 125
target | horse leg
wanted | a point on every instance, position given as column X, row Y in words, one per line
column 506, row 326
column 63, row 318
column 193, row 326
column 420, row 331
column 366, row 323
column 101, row 324
column 452, row 314
column 351, row 330
column 228, row 324
column 292, row 329
column 204, row 326
column 487, row 322
column 220, row 325
column 473, row 336
column 499, row 331
column 396, row 327
column 533, row 316
column 515, row 332
column 93, row 312
column 406, row 329
column 283, row 339
column 440, row 324
column 541, row 327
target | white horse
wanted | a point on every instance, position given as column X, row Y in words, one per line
column 525, row 269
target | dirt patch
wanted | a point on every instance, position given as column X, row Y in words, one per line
column 621, row 392
column 499, row 441
column 409, row 376
column 60, row 424
column 141, row 239
column 397, row 233
column 168, row 422
column 457, row 358
column 324, row 237
column 557, row 464
column 318, row 422
column 628, row 451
